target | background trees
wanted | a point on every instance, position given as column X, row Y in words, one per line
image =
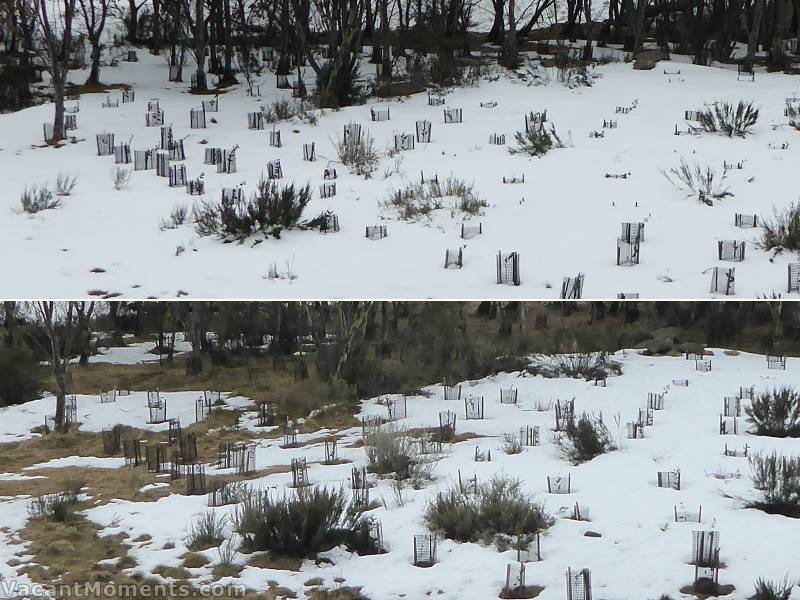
column 220, row 34
column 320, row 351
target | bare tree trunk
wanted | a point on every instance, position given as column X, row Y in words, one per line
column 200, row 46
column 587, row 13
column 59, row 336
column 496, row 34
column 386, row 59
column 155, row 46
column 57, row 49
column 783, row 17
column 753, row 30
column 510, row 46
column 227, row 73
column 133, row 22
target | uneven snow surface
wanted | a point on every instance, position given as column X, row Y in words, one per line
column 563, row 220
column 642, row 551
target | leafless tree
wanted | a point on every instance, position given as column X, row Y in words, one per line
column 58, row 321
column 84, row 312
column 197, row 24
column 56, row 42
column 133, row 19
column 94, row 13
column 752, row 26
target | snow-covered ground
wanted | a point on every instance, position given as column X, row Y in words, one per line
column 565, row 218
column 93, row 415
column 641, row 552
column 134, row 353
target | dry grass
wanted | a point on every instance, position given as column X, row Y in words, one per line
column 252, row 377
column 71, row 551
column 263, row 560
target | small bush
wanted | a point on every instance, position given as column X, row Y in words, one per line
column 776, row 413
column 208, row 531
column 59, row 506
column 390, row 451
column 782, row 230
column 698, row 181
column 537, row 140
column 36, row 199
column 284, row 109
column 271, row 209
column 226, row 566
column 499, row 508
column 723, row 117
column 179, row 216
column 358, row 153
column 65, row 184
column 578, row 365
column 420, row 199
column 584, row 440
column 778, row 479
column 512, row 444
column 120, row 177
column 315, row 520
column 767, row 589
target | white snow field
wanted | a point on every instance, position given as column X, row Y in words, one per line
column 642, row 551
column 563, row 220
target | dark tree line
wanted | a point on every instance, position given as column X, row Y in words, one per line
column 360, row 349
column 223, row 35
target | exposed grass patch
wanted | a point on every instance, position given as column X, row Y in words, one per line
column 194, row 560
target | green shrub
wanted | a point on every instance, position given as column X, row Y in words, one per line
column 314, row 520
column 767, row 589
column 392, row 451
column 499, row 508
column 36, row 199
column 271, row 209
column 536, row 140
column 206, row 532
column 585, row 439
column 698, row 181
column 512, row 444
column 776, row 413
column 782, row 231
column 577, row 365
column 358, row 153
column 179, row 216
column 421, row 199
column 22, row 377
column 284, row 109
column 777, row 478
column 725, row 118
